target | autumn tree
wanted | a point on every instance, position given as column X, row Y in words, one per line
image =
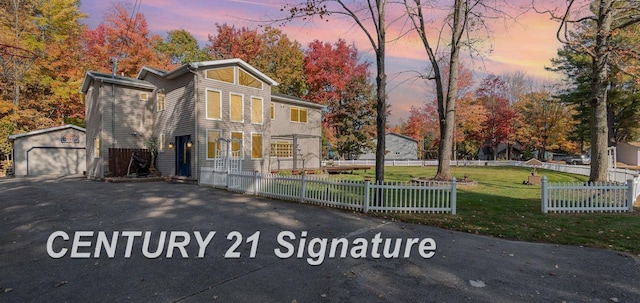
column 336, row 78
column 48, row 84
column 462, row 19
column 499, row 124
column 606, row 19
column 269, row 50
column 547, row 125
column 471, row 116
column 182, row 47
column 126, row 37
column 370, row 18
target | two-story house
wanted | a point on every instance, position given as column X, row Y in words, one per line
column 211, row 115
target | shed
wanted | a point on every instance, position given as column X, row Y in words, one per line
column 397, row 147
column 628, row 153
column 53, row 151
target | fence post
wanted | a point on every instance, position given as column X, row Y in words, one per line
column 544, row 194
column 303, row 188
column 365, row 205
column 454, row 195
column 631, row 197
column 255, row 183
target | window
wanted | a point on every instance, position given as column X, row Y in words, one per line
column 161, row 143
column 256, row 146
column 247, row 79
column 236, row 144
column 213, row 104
column 144, row 96
column 256, row 110
column 213, row 144
column 282, row 149
column 273, row 111
column 225, row 74
column 298, row 114
column 96, row 147
column 237, row 107
column 160, row 100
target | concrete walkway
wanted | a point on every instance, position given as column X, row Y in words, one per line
column 464, row 268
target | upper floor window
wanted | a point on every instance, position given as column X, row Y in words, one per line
column 298, row 114
column 160, row 100
column 247, row 79
column 273, row 111
column 256, row 110
column 224, row 74
column 229, row 75
column 213, row 104
column 237, row 107
column 144, row 96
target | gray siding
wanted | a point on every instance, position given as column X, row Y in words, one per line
column 282, row 125
column 93, row 118
column 45, row 153
column 177, row 118
column 398, row 147
column 247, row 127
column 117, row 116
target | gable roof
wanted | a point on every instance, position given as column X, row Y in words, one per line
column 183, row 69
column 276, row 97
column 402, row 136
column 108, row 78
column 46, row 130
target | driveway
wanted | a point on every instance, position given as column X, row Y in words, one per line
column 463, row 267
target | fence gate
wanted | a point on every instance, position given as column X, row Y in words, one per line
column 119, row 159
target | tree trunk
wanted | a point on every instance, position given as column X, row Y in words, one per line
column 381, row 82
column 449, row 109
column 598, row 125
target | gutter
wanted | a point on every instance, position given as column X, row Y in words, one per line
column 196, row 129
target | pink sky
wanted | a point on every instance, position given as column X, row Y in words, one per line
column 526, row 44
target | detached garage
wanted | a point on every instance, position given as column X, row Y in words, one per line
column 53, row 151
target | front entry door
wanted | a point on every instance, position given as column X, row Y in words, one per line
column 183, row 156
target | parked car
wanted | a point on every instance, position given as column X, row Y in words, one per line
column 582, row 160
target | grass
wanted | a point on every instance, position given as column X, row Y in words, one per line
column 500, row 205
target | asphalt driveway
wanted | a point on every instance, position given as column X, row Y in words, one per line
column 37, row 213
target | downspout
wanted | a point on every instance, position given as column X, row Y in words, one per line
column 196, row 140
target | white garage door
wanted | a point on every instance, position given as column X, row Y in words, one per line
column 56, row 161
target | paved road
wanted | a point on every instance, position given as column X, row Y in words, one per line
column 464, row 268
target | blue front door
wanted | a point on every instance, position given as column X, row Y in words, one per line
column 183, row 156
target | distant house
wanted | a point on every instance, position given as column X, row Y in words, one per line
column 52, row 151
column 212, row 115
column 504, row 151
column 397, row 147
column 628, row 153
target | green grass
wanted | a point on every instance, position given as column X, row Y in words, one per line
column 500, row 205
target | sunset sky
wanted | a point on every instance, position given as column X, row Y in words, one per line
column 525, row 42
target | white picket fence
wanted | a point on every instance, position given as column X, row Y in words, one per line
column 364, row 196
column 575, row 197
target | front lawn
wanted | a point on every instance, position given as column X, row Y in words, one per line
column 501, row 205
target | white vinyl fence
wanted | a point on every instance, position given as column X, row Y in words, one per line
column 574, row 197
column 405, row 197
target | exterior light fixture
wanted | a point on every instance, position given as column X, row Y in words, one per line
column 170, row 145
column 189, row 144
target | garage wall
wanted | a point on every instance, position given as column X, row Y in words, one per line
column 60, row 152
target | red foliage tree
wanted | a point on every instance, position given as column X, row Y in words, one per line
column 499, row 125
column 128, row 39
column 336, row 78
